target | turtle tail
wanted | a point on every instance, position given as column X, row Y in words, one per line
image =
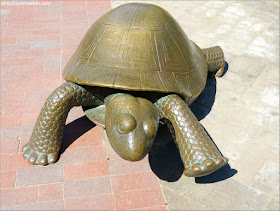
column 215, row 60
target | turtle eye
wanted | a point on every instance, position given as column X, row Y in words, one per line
column 150, row 128
column 126, row 123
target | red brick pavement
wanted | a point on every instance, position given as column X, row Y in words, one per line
column 36, row 43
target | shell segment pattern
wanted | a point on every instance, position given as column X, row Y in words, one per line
column 138, row 47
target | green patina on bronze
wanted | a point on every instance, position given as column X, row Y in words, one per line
column 134, row 66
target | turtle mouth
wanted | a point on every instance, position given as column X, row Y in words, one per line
column 131, row 148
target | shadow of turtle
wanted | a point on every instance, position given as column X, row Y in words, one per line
column 74, row 130
column 164, row 156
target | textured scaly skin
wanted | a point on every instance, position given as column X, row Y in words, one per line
column 45, row 141
column 215, row 59
column 198, row 152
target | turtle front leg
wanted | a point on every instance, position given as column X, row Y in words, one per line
column 215, row 60
column 46, row 138
column 198, row 153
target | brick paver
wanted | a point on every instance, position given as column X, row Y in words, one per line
column 51, row 192
column 86, row 170
column 138, row 198
column 36, row 43
column 36, row 176
column 17, row 196
column 8, row 179
column 95, row 202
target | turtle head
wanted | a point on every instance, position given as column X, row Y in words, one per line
column 131, row 124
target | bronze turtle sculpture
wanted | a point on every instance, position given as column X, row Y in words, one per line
column 134, row 66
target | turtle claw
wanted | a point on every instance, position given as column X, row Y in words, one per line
column 220, row 72
column 206, row 167
column 43, row 160
column 38, row 158
column 52, row 157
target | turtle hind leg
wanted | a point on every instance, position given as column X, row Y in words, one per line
column 46, row 138
column 198, row 152
column 215, row 60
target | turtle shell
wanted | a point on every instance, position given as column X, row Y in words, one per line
column 138, row 47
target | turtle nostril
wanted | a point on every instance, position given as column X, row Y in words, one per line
column 126, row 123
